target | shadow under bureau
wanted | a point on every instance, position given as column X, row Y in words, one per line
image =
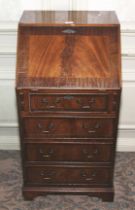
column 68, row 85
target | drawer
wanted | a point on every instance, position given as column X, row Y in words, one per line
column 86, row 103
column 37, row 127
column 67, row 175
column 69, row 152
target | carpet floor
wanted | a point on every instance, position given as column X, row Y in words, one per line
column 11, row 182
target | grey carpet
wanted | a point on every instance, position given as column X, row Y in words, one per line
column 11, row 182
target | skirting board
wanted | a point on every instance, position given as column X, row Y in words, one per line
column 9, row 143
column 12, row 143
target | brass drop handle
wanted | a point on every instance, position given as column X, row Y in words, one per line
column 86, row 107
column 51, row 125
column 89, row 179
column 47, row 178
column 48, row 155
column 51, row 107
column 45, row 101
column 47, row 175
column 90, row 102
column 90, row 156
column 81, row 104
column 85, row 176
column 91, row 131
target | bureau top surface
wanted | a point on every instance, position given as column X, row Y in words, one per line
column 68, row 56
column 76, row 18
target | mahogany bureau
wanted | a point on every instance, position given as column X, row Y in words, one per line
column 68, row 85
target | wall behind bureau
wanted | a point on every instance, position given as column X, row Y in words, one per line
column 10, row 11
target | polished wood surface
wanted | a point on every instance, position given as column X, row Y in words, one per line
column 59, row 101
column 51, row 57
column 106, row 193
column 68, row 86
column 88, row 18
column 89, row 103
column 68, row 127
column 81, row 152
column 59, row 175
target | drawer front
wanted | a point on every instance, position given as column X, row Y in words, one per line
column 68, row 175
column 37, row 127
column 69, row 152
column 85, row 103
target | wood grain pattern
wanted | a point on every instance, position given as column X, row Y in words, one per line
column 79, row 152
column 68, row 86
column 68, row 127
column 70, row 102
column 52, row 59
column 63, row 56
column 55, row 175
column 88, row 18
